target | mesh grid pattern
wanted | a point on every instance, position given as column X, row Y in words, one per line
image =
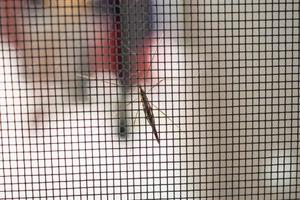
column 224, row 89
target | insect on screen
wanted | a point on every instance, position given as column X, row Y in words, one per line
column 149, row 99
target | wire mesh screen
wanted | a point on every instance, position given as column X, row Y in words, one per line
column 149, row 99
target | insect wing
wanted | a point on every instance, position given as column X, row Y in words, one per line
column 149, row 112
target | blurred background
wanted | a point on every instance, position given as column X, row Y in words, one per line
column 225, row 95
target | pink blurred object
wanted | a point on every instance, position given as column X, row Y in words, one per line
column 10, row 14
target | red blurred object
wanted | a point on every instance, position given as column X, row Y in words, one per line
column 104, row 46
column 108, row 52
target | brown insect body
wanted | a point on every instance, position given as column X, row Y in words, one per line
column 148, row 112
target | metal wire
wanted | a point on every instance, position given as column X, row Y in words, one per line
column 224, row 92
